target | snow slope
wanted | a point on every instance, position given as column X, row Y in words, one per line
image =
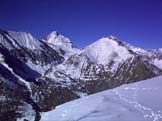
column 139, row 101
column 158, row 63
column 59, row 40
column 106, row 49
column 11, row 40
column 61, row 44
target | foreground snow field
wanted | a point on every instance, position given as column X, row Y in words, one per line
column 140, row 101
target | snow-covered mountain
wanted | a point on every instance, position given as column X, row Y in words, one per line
column 60, row 43
column 51, row 71
column 36, row 54
column 104, row 64
column 139, row 101
column 106, row 49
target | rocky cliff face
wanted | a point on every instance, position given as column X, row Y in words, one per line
column 45, row 73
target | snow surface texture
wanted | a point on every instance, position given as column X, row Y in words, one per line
column 139, row 101
column 158, row 63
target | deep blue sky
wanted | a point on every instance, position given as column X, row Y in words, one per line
column 138, row 22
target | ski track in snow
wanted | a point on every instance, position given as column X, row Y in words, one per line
column 147, row 112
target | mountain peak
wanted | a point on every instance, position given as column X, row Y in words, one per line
column 106, row 49
column 110, row 40
column 55, row 38
column 54, row 33
column 112, row 37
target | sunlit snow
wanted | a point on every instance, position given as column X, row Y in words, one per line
column 105, row 49
column 139, row 101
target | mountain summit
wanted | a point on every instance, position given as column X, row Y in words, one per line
column 105, row 49
column 57, row 39
column 60, row 43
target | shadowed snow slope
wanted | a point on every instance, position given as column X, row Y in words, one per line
column 139, row 101
column 12, row 40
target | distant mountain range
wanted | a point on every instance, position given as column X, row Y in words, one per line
column 41, row 74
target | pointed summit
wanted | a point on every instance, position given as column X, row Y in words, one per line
column 55, row 38
column 112, row 37
column 54, row 33
column 61, row 44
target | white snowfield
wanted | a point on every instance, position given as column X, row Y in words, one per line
column 57, row 41
column 106, row 49
column 140, row 101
